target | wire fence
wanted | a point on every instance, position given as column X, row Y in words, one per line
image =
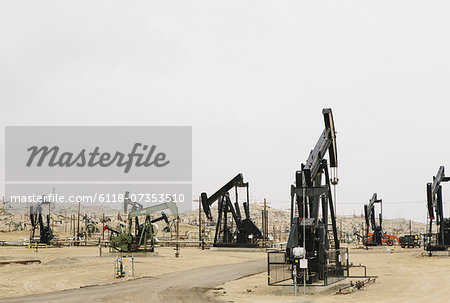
column 334, row 268
column 278, row 270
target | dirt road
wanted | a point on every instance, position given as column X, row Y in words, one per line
column 182, row 286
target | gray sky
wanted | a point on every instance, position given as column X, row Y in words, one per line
column 251, row 77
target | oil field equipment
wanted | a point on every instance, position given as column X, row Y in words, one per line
column 245, row 233
column 409, row 241
column 439, row 240
column 123, row 266
column 377, row 237
column 144, row 234
column 314, row 255
column 90, row 226
column 128, row 202
column 45, row 231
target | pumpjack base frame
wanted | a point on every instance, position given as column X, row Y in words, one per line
column 255, row 245
column 431, row 248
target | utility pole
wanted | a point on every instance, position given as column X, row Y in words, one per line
column 274, row 232
column 78, row 225
column 85, row 230
column 103, row 227
column 200, row 236
column 177, row 249
column 54, row 199
column 265, row 223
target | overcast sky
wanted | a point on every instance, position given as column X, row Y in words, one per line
column 251, row 77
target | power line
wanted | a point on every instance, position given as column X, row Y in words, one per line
column 362, row 203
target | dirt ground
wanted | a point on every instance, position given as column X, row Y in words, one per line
column 185, row 286
column 404, row 275
column 75, row 267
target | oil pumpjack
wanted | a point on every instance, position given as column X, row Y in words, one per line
column 244, row 233
column 144, row 233
column 309, row 237
column 377, row 237
column 439, row 241
column 37, row 221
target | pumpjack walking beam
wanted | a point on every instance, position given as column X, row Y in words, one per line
column 434, row 204
column 246, row 233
